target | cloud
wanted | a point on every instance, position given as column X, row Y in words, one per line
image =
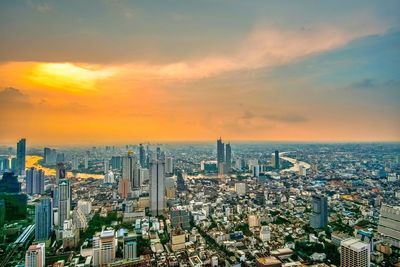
column 274, row 117
column 262, row 48
column 10, row 96
column 373, row 84
column 41, row 7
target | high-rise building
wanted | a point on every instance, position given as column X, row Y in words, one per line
column 277, row 160
column 124, row 188
column 79, row 219
column 240, row 189
column 116, row 162
column 86, row 159
column 60, row 172
column 34, row 181
column 157, row 190
column 130, row 247
column 104, row 248
column 5, row 164
column 220, row 151
column 75, row 163
column 21, row 154
column 60, row 157
column 228, row 158
column 14, row 165
column 43, row 219
column 142, row 156
column 130, row 170
column 389, row 224
column 354, row 253
column 180, row 218
column 50, row 156
column 106, row 165
column 319, row 217
column 35, row 255
column 64, row 201
column 85, row 206
column 169, row 165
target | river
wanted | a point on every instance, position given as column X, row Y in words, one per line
column 33, row 161
column 295, row 162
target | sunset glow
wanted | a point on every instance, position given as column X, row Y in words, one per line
column 133, row 78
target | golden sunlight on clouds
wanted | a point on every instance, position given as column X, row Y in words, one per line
column 68, row 76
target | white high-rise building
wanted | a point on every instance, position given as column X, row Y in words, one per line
column 104, row 248
column 86, row 160
column 144, row 174
column 169, row 165
column 106, row 165
column 64, row 201
column 85, row 206
column 130, row 248
column 354, row 253
column 79, row 219
column 265, row 233
column 75, row 163
column 157, row 190
column 130, row 170
column 389, row 224
column 35, row 255
column 240, row 189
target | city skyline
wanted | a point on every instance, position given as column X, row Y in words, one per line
column 97, row 72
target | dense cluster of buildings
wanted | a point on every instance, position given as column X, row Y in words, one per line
column 181, row 205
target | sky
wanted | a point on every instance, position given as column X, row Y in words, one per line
column 113, row 71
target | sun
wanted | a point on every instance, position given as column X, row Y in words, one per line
column 68, row 76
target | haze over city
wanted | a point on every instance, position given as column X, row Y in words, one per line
column 120, row 71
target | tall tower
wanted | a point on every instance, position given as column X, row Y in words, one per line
column 220, row 151
column 277, row 165
column 60, row 172
column 169, row 165
column 21, row 154
column 157, row 190
column 142, row 156
column 319, row 218
column 228, row 158
column 43, row 219
column 34, row 181
column 130, row 170
column 64, row 201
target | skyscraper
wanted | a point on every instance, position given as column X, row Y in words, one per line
column 21, row 154
column 35, row 255
column 354, row 253
column 157, row 190
column 130, row 170
column 60, row 172
column 228, row 158
column 43, row 219
column 389, row 224
column 220, row 151
column 64, row 201
column 277, row 163
column 142, row 156
column 34, row 181
column 124, row 187
column 319, row 218
column 50, row 156
column 169, row 165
